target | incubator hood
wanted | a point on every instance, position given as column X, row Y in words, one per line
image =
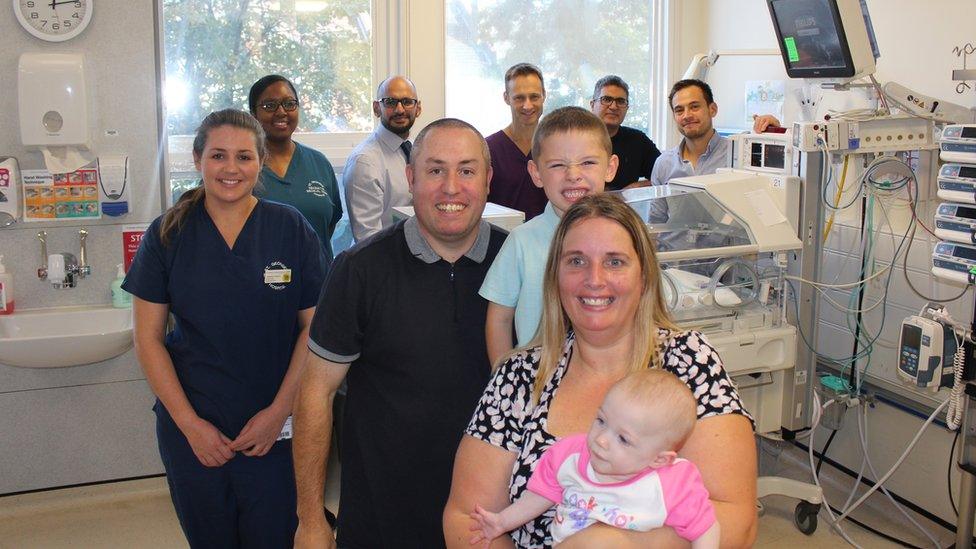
column 725, row 214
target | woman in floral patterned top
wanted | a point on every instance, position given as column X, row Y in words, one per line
column 604, row 316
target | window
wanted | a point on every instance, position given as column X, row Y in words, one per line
column 574, row 42
column 215, row 50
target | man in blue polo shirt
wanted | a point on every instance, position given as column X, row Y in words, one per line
column 702, row 150
column 401, row 315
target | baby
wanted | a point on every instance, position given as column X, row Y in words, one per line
column 625, row 472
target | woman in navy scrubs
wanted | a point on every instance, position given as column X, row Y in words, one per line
column 241, row 277
column 293, row 173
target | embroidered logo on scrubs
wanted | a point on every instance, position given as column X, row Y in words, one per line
column 316, row 188
column 277, row 275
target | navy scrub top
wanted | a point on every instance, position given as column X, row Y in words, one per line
column 310, row 186
column 235, row 331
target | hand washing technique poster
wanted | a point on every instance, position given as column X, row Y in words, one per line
column 50, row 197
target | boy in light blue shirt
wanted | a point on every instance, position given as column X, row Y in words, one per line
column 571, row 157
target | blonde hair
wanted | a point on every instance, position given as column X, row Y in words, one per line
column 668, row 407
column 570, row 119
column 652, row 313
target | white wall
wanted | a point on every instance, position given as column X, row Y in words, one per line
column 93, row 423
column 916, row 42
column 916, row 46
column 88, row 423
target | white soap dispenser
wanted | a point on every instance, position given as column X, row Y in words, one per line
column 121, row 299
column 6, row 290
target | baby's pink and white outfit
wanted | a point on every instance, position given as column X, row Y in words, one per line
column 668, row 496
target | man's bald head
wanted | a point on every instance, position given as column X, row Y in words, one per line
column 390, row 105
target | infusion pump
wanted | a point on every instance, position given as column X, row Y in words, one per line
column 956, row 222
column 954, row 261
column 957, row 182
column 958, row 143
column 925, row 350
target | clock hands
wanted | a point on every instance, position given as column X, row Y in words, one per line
column 55, row 3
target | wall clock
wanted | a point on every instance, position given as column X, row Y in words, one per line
column 53, row 20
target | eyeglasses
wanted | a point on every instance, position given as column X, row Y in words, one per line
column 621, row 102
column 392, row 102
column 271, row 106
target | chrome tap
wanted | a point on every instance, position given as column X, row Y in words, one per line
column 84, row 269
column 42, row 272
column 63, row 270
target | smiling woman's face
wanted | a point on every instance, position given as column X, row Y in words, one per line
column 599, row 277
column 279, row 124
column 229, row 164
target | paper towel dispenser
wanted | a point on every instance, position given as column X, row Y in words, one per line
column 52, row 95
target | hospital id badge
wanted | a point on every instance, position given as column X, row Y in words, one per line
column 285, row 430
column 277, row 276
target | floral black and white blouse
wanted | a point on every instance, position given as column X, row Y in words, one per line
column 506, row 418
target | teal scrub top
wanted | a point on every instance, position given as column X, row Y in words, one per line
column 310, row 186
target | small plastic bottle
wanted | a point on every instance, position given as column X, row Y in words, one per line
column 6, row 290
column 121, row 299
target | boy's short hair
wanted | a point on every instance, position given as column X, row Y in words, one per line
column 687, row 83
column 666, row 399
column 524, row 69
column 570, row 119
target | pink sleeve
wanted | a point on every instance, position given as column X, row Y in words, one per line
column 544, row 480
column 690, row 512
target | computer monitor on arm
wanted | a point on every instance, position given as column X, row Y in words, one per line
column 824, row 38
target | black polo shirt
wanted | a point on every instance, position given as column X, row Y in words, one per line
column 637, row 154
column 412, row 327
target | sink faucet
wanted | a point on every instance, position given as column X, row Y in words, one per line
column 63, row 270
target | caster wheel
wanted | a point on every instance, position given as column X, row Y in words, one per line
column 805, row 517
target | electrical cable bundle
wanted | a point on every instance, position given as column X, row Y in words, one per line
column 848, row 507
column 885, row 181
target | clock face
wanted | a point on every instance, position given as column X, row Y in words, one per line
column 53, row 20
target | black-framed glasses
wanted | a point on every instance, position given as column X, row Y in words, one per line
column 392, row 102
column 271, row 106
column 621, row 102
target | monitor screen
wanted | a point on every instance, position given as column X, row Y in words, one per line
column 964, row 252
column 775, row 156
column 811, row 34
column 911, row 336
column 966, row 213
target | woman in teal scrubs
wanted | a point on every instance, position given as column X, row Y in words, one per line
column 241, row 277
column 293, row 173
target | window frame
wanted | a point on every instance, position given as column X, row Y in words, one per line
column 388, row 44
column 666, row 52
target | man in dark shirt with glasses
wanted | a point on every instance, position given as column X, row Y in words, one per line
column 637, row 153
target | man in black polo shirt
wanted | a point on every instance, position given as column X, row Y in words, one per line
column 400, row 313
column 636, row 151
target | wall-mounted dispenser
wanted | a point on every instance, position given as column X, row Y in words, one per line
column 53, row 99
column 52, row 94
column 113, row 184
column 9, row 191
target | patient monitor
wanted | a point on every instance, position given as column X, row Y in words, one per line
column 824, row 38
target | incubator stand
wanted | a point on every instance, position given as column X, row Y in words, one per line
column 722, row 244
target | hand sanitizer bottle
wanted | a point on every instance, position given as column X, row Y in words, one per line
column 121, row 299
column 6, row 290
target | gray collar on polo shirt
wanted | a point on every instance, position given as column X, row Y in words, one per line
column 421, row 249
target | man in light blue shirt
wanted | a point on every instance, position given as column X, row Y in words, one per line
column 702, row 150
column 375, row 176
